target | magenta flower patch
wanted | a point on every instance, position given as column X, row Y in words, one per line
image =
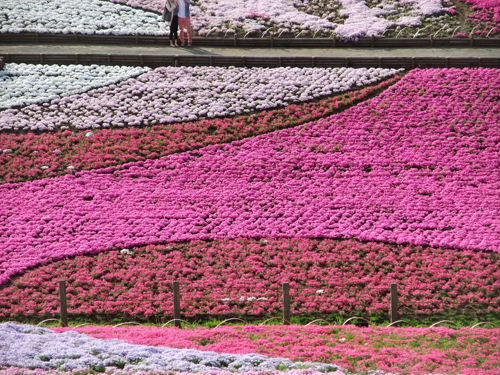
column 387, row 349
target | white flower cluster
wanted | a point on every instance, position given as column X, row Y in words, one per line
column 362, row 20
column 24, row 84
column 425, row 7
column 77, row 16
column 35, row 347
column 255, row 15
column 252, row 298
column 174, row 94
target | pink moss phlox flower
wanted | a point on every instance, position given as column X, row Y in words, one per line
column 244, row 277
column 385, row 348
column 417, row 164
column 64, row 152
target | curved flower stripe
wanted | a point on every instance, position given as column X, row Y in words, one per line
column 35, row 347
column 173, row 94
column 24, row 84
column 243, row 277
column 418, row 164
column 30, row 156
column 416, row 351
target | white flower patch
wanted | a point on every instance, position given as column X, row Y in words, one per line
column 254, row 15
column 174, row 94
column 24, row 84
column 425, row 7
column 361, row 20
column 77, row 16
column 35, row 347
column 250, row 299
column 153, row 5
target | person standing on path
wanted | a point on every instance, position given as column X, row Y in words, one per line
column 185, row 22
column 171, row 13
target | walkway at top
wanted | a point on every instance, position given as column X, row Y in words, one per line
column 32, row 48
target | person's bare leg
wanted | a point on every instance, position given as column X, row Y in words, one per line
column 190, row 34
column 182, row 31
column 189, row 28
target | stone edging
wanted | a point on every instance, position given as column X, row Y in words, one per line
column 255, row 42
column 192, row 60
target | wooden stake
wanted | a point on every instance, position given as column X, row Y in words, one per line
column 177, row 304
column 394, row 302
column 286, row 303
column 63, row 303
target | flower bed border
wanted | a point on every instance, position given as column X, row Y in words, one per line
column 155, row 61
column 376, row 42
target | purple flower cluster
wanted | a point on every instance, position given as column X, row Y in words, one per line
column 418, row 164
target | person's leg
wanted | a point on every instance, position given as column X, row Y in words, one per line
column 182, row 26
column 171, row 34
column 189, row 31
column 175, row 25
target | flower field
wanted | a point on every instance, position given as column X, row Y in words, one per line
column 25, row 84
column 243, row 277
column 108, row 371
column 22, row 371
column 352, row 174
column 393, row 350
column 174, row 94
column 341, row 18
column 250, row 350
column 233, row 181
column 486, row 16
column 82, row 17
column 36, row 347
column 26, row 156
